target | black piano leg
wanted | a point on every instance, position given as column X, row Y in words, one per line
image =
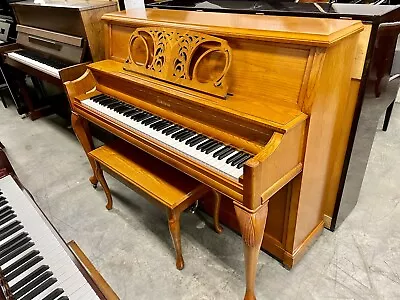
column 387, row 116
column 3, row 101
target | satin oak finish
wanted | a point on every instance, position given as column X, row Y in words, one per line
column 280, row 73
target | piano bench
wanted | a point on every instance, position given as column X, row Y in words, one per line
column 156, row 181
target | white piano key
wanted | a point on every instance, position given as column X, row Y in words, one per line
column 60, row 264
column 34, row 64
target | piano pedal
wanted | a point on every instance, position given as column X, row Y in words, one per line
column 192, row 209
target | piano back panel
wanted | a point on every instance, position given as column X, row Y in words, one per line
column 58, row 19
column 255, row 65
column 43, row 41
column 94, row 29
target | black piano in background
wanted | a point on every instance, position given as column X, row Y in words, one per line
column 8, row 35
column 55, row 40
column 378, row 81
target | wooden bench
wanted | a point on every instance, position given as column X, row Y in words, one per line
column 155, row 180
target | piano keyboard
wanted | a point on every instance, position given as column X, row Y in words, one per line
column 34, row 60
column 216, row 155
column 32, row 261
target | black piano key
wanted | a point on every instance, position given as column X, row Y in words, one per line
column 177, row 134
column 36, row 286
column 14, row 246
column 140, row 116
column 226, row 153
column 106, row 101
column 20, row 261
column 5, row 209
column 114, row 104
column 16, row 252
column 233, row 157
column 164, row 126
column 150, row 120
column 213, row 143
column 193, row 138
column 12, row 241
column 244, row 159
column 63, row 298
column 54, row 294
column 214, row 147
column 3, row 202
column 204, row 144
column 28, row 278
column 198, row 140
column 187, row 136
column 97, row 98
column 221, row 151
column 172, row 130
column 116, row 107
column 24, row 267
column 9, row 229
column 124, row 109
column 7, row 212
column 236, row 160
column 136, row 113
column 129, row 112
column 158, row 123
column 7, row 219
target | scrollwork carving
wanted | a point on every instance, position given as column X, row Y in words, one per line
column 186, row 58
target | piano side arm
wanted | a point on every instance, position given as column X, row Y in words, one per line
column 79, row 86
column 277, row 164
column 73, row 72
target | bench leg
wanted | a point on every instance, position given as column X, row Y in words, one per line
column 217, row 205
column 175, row 230
column 102, row 180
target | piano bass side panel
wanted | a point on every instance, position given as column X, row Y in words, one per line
column 260, row 71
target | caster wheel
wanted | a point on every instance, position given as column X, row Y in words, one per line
column 94, row 186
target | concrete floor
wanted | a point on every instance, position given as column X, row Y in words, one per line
column 131, row 246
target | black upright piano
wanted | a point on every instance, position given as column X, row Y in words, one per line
column 378, row 86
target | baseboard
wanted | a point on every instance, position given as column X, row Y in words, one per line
column 327, row 222
column 291, row 259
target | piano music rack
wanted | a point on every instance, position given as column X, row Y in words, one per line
column 156, row 181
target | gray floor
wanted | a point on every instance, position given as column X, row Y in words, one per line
column 131, row 247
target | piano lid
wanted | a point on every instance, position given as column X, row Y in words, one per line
column 306, row 31
column 365, row 12
column 80, row 5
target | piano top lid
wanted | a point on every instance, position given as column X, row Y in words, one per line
column 306, row 31
column 365, row 12
column 80, row 5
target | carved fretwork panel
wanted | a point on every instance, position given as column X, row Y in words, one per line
column 191, row 59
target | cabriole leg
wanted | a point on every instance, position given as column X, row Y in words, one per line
column 175, row 230
column 252, row 225
column 100, row 177
column 81, row 130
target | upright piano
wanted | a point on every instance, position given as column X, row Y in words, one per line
column 55, row 39
column 8, row 35
column 227, row 99
column 374, row 84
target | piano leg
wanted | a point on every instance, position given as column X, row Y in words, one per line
column 252, row 225
column 81, row 129
column 217, row 206
column 102, row 180
column 175, row 230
